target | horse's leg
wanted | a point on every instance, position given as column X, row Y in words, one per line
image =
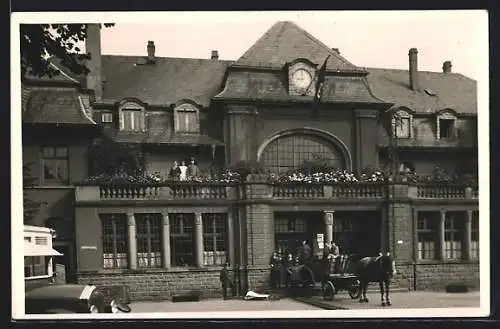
column 388, row 301
column 361, row 289
column 381, row 284
column 365, row 288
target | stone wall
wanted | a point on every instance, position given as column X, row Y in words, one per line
column 437, row 275
column 156, row 285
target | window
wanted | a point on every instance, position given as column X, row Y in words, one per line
column 35, row 266
column 107, row 117
column 55, row 164
column 402, row 125
column 181, row 239
column 41, row 240
column 214, row 239
column 290, row 225
column 186, row 120
column 114, row 240
column 446, row 128
column 300, row 150
column 149, row 240
column 132, row 120
column 474, row 248
column 427, row 230
column 453, row 233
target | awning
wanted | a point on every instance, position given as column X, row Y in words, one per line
column 31, row 249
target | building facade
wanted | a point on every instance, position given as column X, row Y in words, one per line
column 270, row 109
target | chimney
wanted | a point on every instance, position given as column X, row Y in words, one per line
column 215, row 54
column 151, row 51
column 447, row 67
column 336, row 50
column 412, row 54
column 94, row 64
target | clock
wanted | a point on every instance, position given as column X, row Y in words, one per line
column 301, row 79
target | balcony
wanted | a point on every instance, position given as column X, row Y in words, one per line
column 152, row 191
column 356, row 191
column 335, row 187
column 435, row 191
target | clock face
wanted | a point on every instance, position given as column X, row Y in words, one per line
column 301, row 78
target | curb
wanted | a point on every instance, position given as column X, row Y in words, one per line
column 318, row 303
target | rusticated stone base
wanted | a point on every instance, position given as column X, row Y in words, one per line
column 162, row 284
column 435, row 276
column 155, row 285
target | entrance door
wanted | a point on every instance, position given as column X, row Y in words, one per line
column 61, row 264
column 290, row 231
column 357, row 233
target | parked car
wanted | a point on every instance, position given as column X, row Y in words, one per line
column 70, row 298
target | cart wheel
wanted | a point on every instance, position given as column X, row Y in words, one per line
column 328, row 291
column 355, row 290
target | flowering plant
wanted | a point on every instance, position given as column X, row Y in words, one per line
column 334, row 176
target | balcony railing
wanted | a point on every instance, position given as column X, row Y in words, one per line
column 435, row 191
column 278, row 190
column 294, row 190
column 160, row 191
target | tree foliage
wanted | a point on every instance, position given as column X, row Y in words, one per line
column 42, row 41
column 30, row 207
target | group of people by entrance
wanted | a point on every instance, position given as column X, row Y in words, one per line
column 282, row 265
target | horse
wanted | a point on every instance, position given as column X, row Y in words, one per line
column 376, row 269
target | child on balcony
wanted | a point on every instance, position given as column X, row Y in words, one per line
column 175, row 171
column 183, row 171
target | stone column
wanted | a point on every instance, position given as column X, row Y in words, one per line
column 230, row 237
column 166, row 239
column 468, row 236
column 441, row 235
column 132, row 241
column 198, row 229
column 328, row 226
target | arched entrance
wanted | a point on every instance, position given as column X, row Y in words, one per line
column 300, row 148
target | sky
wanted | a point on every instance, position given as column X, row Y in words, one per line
column 367, row 39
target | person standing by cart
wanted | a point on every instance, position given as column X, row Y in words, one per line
column 275, row 265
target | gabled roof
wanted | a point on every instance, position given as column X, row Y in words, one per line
column 271, row 86
column 285, row 42
column 452, row 90
column 56, row 106
column 163, row 83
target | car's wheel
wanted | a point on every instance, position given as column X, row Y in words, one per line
column 328, row 290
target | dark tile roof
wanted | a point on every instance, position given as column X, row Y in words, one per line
column 163, row 83
column 166, row 138
column 271, row 86
column 452, row 90
column 55, row 106
column 284, row 42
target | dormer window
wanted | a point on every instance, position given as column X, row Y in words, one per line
column 132, row 117
column 446, row 128
column 186, row 117
column 402, row 124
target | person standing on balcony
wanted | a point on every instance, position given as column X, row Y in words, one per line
column 193, row 169
column 175, row 171
column 183, row 171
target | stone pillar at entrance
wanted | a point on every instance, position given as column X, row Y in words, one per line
column 166, row 240
column 198, row 227
column 468, row 235
column 328, row 226
column 132, row 243
column 442, row 249
column 230, row 235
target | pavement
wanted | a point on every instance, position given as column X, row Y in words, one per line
column 414, row 299
column 220, row 305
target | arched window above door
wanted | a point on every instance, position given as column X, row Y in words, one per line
column 294, row 149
